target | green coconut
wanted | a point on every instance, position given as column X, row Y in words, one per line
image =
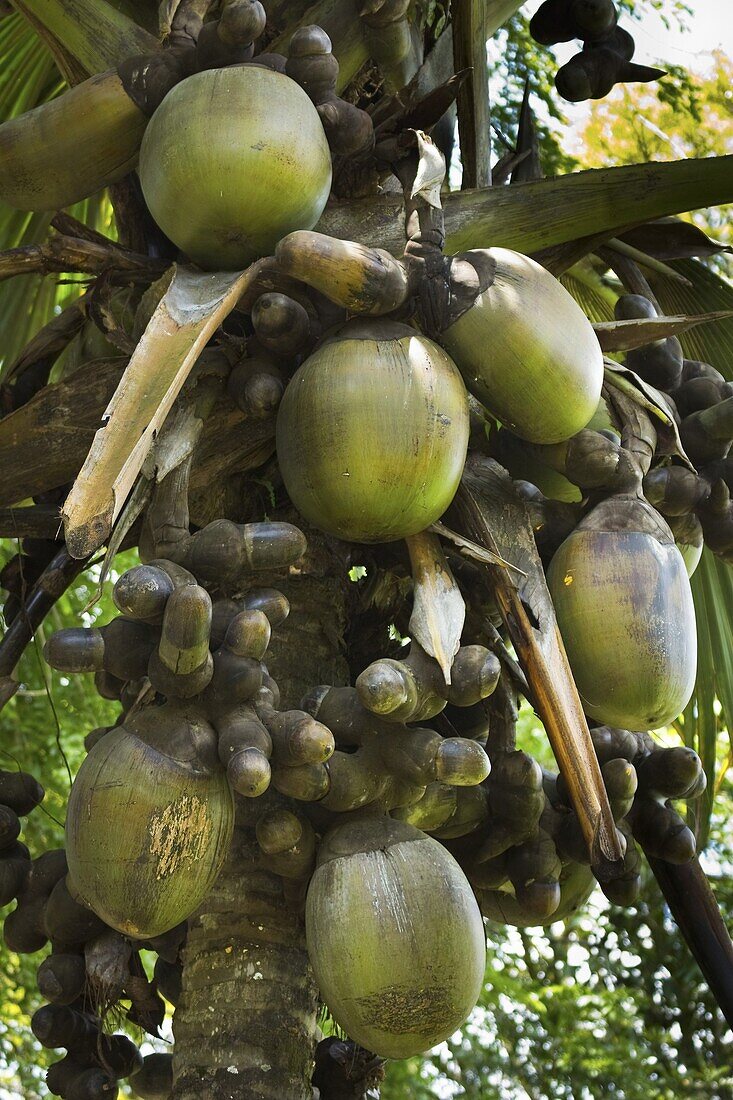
column 232, row 160
column 149, row 822
column 524, row 346
column 395, row 936
column 624, row 607
column 372, row 433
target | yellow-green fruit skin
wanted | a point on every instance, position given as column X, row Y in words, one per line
column 624, row 607
column 232, row 160
column 528, row 352
column 146, row 835
column 372, row 435
column 395, row 936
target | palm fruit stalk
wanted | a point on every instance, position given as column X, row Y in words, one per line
column 71, row 147
column 349, row 130
column 394, row 935
column 625, row 612
column 489, row 512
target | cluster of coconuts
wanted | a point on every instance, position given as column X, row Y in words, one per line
column 372, row 435
column 165, row 771
column 617, row 567
column 373, row 428
column 605, row 59
column 391, row 840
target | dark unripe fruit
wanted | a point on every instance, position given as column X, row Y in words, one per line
column 575, row 887
column 142, row 593
column 93, row 1084
column 20, row 791
column 23, row 929
column 67, row 921
column 593, row 18
column 552, row 23
column 119, row 1055
column 61, row 978
column 15, row 866
column 60, row 1075
column 394, row 936
column 232, row 160
column 9, row 827
column 372, row 433
column 155, row 1080
column 57, row 1026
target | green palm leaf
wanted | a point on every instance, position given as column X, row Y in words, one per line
column 712, row 590
column 585, row 285
column 712, row 584
column 713, row 343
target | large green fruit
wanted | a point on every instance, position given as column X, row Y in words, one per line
column 523, row 344
column 149, row 822
column 395, row 936
column 625, row 612
column 232, row 160
column 372, row 433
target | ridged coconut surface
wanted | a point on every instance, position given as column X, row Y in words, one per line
column 372, row 433
column 624, row 607
column 525, row 347
column 395, row 936
column 148, row 828
column 232, row 160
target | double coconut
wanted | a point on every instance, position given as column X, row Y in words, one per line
column 395, row 936
column 149, row 822
column 624, row 607
column 231, row 161
column 372, row 432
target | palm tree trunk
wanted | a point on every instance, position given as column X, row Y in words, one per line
column 245, row 1028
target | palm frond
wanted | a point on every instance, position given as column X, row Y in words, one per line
column 711, row 706
column 29, row 77
column 714, row 343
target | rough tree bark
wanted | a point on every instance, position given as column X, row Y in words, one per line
column 245, row 1028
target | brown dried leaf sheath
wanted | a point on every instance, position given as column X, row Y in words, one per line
column 487, row 510
column 438, row 610
column 192, row 307
column 624, row 335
